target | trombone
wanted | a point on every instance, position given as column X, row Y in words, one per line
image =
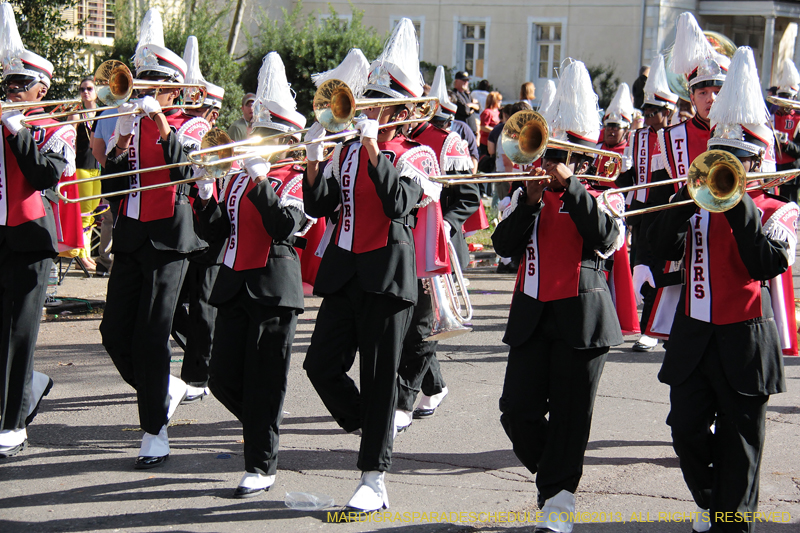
column 115, row 85
column 17, row 106
column 209, row 140
column 783, row 102
column 716, row 182
column 525, row 138
column 334, row 108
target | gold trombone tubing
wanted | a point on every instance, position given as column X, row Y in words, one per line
column 783, row 102
column 126, row 191
column 503, row 177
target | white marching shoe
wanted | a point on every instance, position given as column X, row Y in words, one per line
column 154, row 450
column 12, row 441
column 371, row 494
column 177, row 392
column 560, row 505
column 194, row 394
column 702, row 520
column 427, row 405
column 402, row 421
column 40, row 387
column 252, row 484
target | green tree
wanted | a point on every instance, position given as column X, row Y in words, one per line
column 42, row 27
column 605, row 82
column 206, row 21
column 307, row 45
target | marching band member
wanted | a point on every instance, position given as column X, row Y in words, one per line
column 562, row 319
column 724, row 354
column 193, row 324
column 616, row 124
column 418, row 362
column 259, row 290
column 368, row 275
column 786, row 120
column 153, row 237
column 647, row 160
column 34, row 161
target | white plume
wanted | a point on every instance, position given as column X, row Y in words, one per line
column 10, row 41
column 353, row 70
column 575, row 105
column 152, row 30
column 191, row 55
column 548, row 97
column 272, row 82
column 740, row 100
column 691, row 46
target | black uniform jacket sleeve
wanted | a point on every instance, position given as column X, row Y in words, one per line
column 389, row 270
column 588, row 320
column 460, row 202
column 279, row 283
column 42, row 171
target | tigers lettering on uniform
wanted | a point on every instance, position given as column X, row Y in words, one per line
column 347, row 184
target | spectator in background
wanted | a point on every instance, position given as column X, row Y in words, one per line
column 527, row 93
column 86, row 166
column 638, row 87
column 102, row 130
column 238, row 130
column 467, row 105
column 490, row 117
column 481, row 93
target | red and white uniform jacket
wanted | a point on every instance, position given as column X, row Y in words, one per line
column 362, row 225
column 556, row 238
column 145, row 151
column 787, row 124
column 718, row 288
column 69, row 226
column 249, row 244
column 681, row 144
column 646, row 159
column 622, row 150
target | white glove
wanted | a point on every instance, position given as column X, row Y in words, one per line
column 205, row 186
column 125, row 122
column 367, row 128
column 150, row 106
column 641, row 274
column 314, row 151
column 256, row 167
column 13, row 121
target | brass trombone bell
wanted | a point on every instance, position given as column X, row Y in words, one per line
column 335, row 106
column 207, row 142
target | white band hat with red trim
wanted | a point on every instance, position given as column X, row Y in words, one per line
column 446, row 108
column 275, row 106
column 191, row 56
column 787, row 79
column 151, row 56
column 656, row 88
column 16, row 60
column 739, row 116
column 353, row 70
column 620, row 110
column 395, row 74
column 694, row 57
column 574, row 115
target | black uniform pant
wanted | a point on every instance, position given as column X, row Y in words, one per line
column 375, row 325
column 418, row 356
column 140, row 303
column 249, row 371
column 546, row 375
column 721, row 468
column 193, row 325
column 23, row 288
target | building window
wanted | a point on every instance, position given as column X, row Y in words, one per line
column 472, row 48
column 546, row 53
column 419, row 28
column 98, row 17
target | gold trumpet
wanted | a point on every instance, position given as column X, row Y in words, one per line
column 209, row 140
column 526, row 136
column 115, row 85
column 716, row 182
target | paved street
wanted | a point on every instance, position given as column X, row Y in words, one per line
column 77, row 474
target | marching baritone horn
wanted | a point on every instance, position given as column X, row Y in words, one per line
column 716, row 182
column 448, row 320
